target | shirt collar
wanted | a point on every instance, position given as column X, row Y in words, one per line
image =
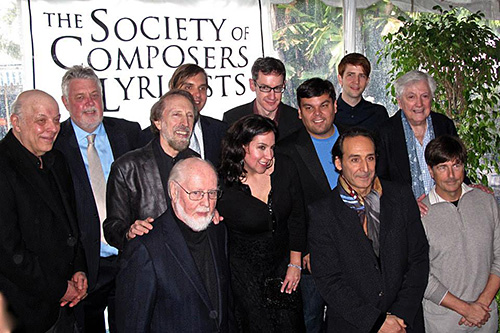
column 434, row 198
column 81, row 135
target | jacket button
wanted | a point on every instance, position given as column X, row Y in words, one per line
column 213, row 314
column 380, row 294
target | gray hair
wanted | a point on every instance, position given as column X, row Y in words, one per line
column 413, row 77
column 78, row 72
column 179, row 170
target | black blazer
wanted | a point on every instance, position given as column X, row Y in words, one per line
column 392, row 161
column 159, row 287
column 300, row 148
column 289, row 121
column 123, row 136
column 358, row 287
column 39, row 247
column 213, row 133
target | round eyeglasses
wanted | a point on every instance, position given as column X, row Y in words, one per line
column 198, row 195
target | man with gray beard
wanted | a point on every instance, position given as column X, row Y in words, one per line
column 176, row 278
column 137, row 187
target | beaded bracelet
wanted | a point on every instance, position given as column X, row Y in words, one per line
column 296, row 266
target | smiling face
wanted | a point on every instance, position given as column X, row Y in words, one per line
column 176, row 124
column 358, row 163
column 449, row 177
column 267, row 102
column 197, row 86
column 38, row 125
column 259, row 153
column 317, row 114
column 416, row 102
column 353, row 83
column 84, row 103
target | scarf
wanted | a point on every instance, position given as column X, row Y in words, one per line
column 417, row 183
column 367, row 208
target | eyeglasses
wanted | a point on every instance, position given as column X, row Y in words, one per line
column 198, row 195
column 278, row 89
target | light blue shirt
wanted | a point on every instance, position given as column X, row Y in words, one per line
column 324, row 150
column 424, row 171
column 105, row 153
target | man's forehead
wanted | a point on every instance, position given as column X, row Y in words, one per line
column 78, row 85
column 270, row 76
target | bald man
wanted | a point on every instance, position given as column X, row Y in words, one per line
column 41, row 262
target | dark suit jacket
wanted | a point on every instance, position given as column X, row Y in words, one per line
column 300, row 148
column 288, row 123
column 358, row 287
column 159, row 287
column 39, row 247
column 213, row 132
column 392, row 161
column 123, row 136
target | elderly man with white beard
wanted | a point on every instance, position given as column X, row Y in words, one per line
column 176, row 278
column 136, row 192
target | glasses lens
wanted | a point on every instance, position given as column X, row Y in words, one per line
column 265, row 88
column 213, row 194
column 196, row 195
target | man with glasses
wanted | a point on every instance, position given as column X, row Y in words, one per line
column 268, row 82
column 137, row 183
column 176, row 278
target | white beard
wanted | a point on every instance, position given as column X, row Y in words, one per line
column 196, row 224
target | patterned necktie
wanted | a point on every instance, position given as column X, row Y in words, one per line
column 97, row 181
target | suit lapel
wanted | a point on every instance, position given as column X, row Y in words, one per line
column 176, row 244
column 116, row 138
column 400, row 150
column 74, row 157
column 308, row 154
column 207, row 135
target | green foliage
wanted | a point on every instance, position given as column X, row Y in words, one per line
column 461, row 53
column 309, row 37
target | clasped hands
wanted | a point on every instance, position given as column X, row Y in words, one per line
column 76, row 291
column 477, row 314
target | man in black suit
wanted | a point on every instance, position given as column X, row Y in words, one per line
column 42, row 263
column 82, row 96
column 369, row 252
column 207, row 131
column 310, row 148
column 176, row 278
column 268, row 81
column 137, row 185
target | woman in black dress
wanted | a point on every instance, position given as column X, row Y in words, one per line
column 263, row 208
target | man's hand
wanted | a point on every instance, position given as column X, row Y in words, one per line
column 139, row 228
column 482, row 188
column 80, row 280
column 306, row 262
column 217, row 217
column 421, row 206
column 393, row 324
column 76, row 291
column 476, row 314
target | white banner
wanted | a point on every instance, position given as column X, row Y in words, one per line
column 135, row 46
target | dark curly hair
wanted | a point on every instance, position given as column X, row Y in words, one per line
column 241, row 133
